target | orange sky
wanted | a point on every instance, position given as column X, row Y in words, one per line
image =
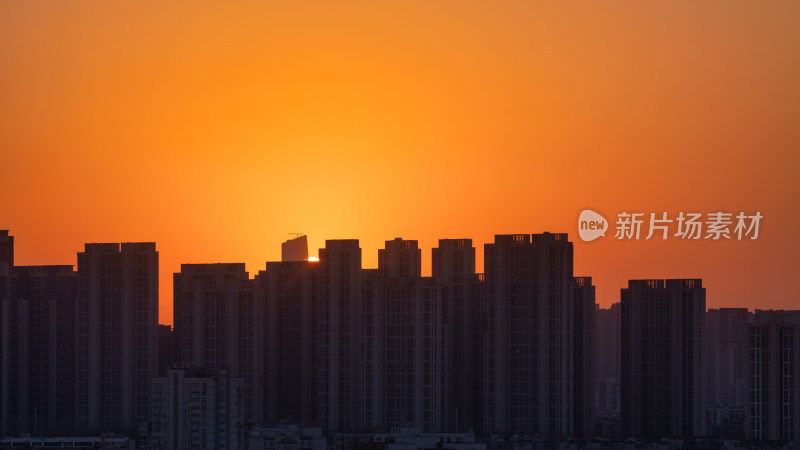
column 217, row 129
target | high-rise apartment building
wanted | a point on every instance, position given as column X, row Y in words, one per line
column 453, row 269
column 38, row 348
column 528, row 354
column 213, row 322
column 295, row 249
column 6, row 248
column 662, row 344
column 726, row 356
column 286, row 308
column 583, row 349
column 6, row 268
column 725, row 370
column 606, row 361
column 773, row 408
column 340, row 336
column 404, row 342
column 116, row 335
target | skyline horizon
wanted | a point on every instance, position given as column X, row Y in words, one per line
column 219, row 130
column 425, row 272
column 153, row 156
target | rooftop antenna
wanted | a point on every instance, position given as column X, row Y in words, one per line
column 297, row 235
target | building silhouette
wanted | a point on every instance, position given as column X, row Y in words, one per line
column 404, row 342
column 583, row 341
column 340, row 336
column 606, row 361
column 213, row 322
column 528, row 361
column 727, row 330
column 116, row 335
column 287, row 304
column 773, row 410
column 295, row 249
column 6, row 268
column 662, row 333
column 453, row 269
column 726, row 370
column 38, row 348
column 6, row 248
column 519, row 350
column 606, row 370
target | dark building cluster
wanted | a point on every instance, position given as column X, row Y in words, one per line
column 518, row 350
column 333, row 345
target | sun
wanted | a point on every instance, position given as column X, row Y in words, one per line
column 313, row 259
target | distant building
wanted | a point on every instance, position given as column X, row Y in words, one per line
column 197, row 408
column 38, row 348
column 527, row 357
column 662, row 340
column 726, row 370
column 453, row 269
column 117, row 335
column 6, row 248
column 583, row 341
column 6, row 269
column 404, row 359
column 340, row 336
column 606, row 360
column 400, row 258
column 213, row 321
column 606, row 371
column 295, row 249
column 287, row 305
column 726, row 355
column 773, row 410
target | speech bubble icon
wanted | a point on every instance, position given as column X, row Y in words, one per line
column 591, row 225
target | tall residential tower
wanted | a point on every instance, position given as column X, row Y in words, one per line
column 116, row 335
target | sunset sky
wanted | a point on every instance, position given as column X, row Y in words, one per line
column 218, row 128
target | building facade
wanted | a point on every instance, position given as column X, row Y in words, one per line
column 340, row 336
column 295, row 249
column 606, row 361
column 404, row 342
column 726, row 370
column 38, row 349
column 662, row 344
column 453, row 269
column 287, row 304
column 213, row 322
column 773, row 409
column 529, row 348
column 197, row 408
column 583, row 341
column 116, row 335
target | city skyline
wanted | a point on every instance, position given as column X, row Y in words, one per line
column 521, row 349
column 217, row 131
column 382, row 225
column 252, row 273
